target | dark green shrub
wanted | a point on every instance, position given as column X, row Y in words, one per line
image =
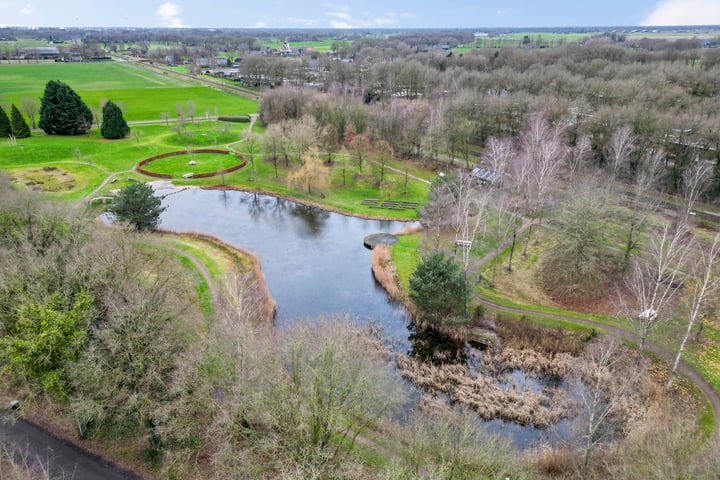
column 114, row 125
column 5, row 128
column 62, row 111
column 235, row 118
column 19, row 126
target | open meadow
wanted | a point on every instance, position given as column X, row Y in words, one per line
column 143, row 95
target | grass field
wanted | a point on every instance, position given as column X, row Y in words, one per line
column 317, row 46
column 141, row 94
column 177, row 166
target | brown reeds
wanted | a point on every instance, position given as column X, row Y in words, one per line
column 268, row 305
column 523, row 335
column 485, row 395
column 384, row 272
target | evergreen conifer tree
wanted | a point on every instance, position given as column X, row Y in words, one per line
column 62, row 111
column 114, row 125
column 5, row 128
column 19, row 126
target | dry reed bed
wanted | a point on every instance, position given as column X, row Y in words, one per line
column 486, row 395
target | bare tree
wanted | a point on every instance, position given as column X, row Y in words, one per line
column 359, row 145
column 329, row 140
column 705, row 281
column 654, row 279
column 272, row 141
column 30, row 106
column 579, row 156
column 179, row 111
column 498, row 156
column 470, row 210
column 165, row 116
column 644, row 201
column 542, row 154
column 251, row 141
column 311, row 175
column 696, row 180
column 619, row 151
column 339, row 385
column 605, row 386
column 191, row 110
column 384, row 153
column 304, row 134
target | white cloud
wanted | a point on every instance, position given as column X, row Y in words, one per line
column 343, row 18
column 685, row 12
column 4, row 4
column 302, row 22
column 27, row 10
column 169, row 15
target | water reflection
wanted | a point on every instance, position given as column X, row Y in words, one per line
column 315, row 264
column 314, row 261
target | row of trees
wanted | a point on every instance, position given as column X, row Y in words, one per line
column 433, row 106
column 62, row 112
column 13, row 126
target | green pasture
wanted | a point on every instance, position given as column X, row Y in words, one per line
column 23, row 43
column 93, row 159
column 514, row 39
column 30, row 78
column 142, row 94
column 318, row 46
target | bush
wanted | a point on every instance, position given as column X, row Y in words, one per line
column 62, row 111
column 5, row 128
column 235, row 118
column 19, row 126
column 114, row 125
column 137, row 206
column 438, row 289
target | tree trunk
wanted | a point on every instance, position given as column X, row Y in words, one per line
column 527, row 240
column 512, row 249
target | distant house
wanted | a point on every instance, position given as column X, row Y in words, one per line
column 485, row 176
column 40, row 53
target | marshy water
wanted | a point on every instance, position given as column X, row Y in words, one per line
column 315, row 264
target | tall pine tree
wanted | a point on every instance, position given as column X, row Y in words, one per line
column 19, row 126
column 114, row 125
column 5, row 128
column 62, row 111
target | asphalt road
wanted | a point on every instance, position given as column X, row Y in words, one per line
column 64, row 460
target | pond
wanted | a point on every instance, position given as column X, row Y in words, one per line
column 314, row 264
column 314, row 261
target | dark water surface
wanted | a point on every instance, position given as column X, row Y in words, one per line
column 314, row 261
column 315, row 264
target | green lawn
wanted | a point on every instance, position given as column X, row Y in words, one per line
column 179, row 165
column 318, row 46
column 141, row 94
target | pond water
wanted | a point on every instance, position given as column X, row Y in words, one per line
column 314, row 264
column 314, row 261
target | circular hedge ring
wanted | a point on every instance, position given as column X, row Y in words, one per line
column 141, row 166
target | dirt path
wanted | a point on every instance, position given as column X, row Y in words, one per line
column 203, row 271
column 684, row 369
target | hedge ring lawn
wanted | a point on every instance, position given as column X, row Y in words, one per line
column 182, row 163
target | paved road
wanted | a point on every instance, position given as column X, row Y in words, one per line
column 65, row 460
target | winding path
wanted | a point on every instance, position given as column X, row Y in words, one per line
column 683, row 368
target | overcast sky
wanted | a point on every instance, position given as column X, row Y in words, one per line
column 357, row 13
